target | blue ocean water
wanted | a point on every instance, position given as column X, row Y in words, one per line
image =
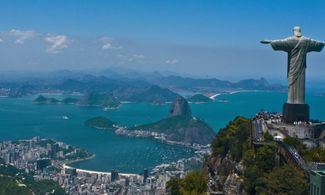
column 20, row 118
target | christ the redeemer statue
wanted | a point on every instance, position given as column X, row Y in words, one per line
column 297, row 48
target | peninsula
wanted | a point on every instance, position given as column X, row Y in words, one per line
column 180, row 127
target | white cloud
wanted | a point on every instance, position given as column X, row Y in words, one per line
column 57, row 42
column 22, row 35
column 138, row 56
column 172, row 61
column 1, row 40
column 108, row 43
column 107, row 46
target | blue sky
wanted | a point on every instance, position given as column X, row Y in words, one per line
column 216, row 38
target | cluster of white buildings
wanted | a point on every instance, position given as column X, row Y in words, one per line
column 310, row 133
column 79, row 181
column 45, row 158
column 36, row 153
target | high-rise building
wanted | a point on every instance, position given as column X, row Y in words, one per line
column 145, row 175
column 54, row 150
column 7, row 158
column 71, row 171
column 127, row 181
column 114, row 175
column 42, row 163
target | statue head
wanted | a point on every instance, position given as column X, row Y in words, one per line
column 297, row 31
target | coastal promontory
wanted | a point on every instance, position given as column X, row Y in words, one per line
column 199, row 98
column 180, row 125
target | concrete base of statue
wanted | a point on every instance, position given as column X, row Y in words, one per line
column 295, row 112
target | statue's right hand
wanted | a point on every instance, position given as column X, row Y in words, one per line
column 266, row 41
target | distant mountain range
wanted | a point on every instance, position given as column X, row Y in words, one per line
column 197, row 85
column 123, row 90
column 132, row 86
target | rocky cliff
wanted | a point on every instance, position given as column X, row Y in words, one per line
column 180, row 107
column 225, row 165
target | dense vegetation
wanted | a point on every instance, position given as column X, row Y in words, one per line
column 195, row 183
column 261, row 174
column 10, row 185
column 100, row 123
column 233, row 138
column 17, row 182
column 315, row 155
column 282, row 180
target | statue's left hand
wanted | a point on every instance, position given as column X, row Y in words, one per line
column 266, row 41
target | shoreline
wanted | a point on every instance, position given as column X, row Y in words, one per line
column 65, row 166
column 198, row 150
column 199, row 153
column 78, row 160
column 160, row 137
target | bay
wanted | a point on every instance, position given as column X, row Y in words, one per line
column 22, row 119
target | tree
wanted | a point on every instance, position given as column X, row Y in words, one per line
column 233, row 138
column 195, row 183
column 265, row 157
column 315, row 155
column 249, row 157
column 284, row 180
column 173, row 186
column 258, row 163
column 268, row 136
column 252, row 173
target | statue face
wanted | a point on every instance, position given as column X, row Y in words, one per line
column 297, row 31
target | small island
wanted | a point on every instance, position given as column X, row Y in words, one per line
column 199, row 99
column 101, row 123
column 70, row 100
column 45, row 100
column 106, row 101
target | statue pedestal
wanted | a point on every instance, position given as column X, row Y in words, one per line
column 295, row 112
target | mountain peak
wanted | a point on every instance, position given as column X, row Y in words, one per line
column 180, row 107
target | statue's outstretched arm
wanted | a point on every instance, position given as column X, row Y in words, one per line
column 279, row 45
column 266, row 41
column 315, row 45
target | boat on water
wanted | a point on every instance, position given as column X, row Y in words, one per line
column 65, row 117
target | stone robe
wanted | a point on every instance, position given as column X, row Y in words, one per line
column 297, row 49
